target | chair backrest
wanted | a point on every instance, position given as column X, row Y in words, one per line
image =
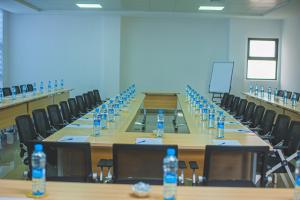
column 280, row 130
column 22, row 87
column 81, row 104
column 134, row 162
column 25, row 128
column 65, row 111
column 297, row 96
column 289, row 94
column 241, row 107
column 41, row 122
column 234, row 165
column 229, row 101
column 66, row 161
column 6, row 91
column 280, row 93
column 17, row 88
column 257, row 116
column 235, row 104
column 224, row 99
column 249, row 111
column 87, row 101
column 97, row 96
column 29, row 87
column 267, row 122
column 74, row 109
column 92, row 98
column 293, row 141
column 55, row 116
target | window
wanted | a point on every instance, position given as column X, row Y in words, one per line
column 262, row 59
column 1, row 48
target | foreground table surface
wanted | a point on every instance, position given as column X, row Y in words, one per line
column 75, row 191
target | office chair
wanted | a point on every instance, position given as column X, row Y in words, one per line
column 234, row 106
column 92, row 99
column 224, row 100
column 41, row 123
column 6, row 91
column 278, row 135
column 280, row 93
column 66, row 161
column 134, row 162
column 229, row 102
column 297, row 96
column 248, row 112
column 97, row 97
column 22, row 87
column 17, row 88
column 74, row 110
column 81, row 105
column 55, row 117
column 241, row 108
column 266, row 124
column 234, row 166
column 29, row 87
column 87, row 102
column 65, row 111
column 289, row 94
column 256, row 117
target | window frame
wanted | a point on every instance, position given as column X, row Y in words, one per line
column 276, row 40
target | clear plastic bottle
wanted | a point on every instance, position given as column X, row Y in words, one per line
column 38, row 162
column 211, row 117
column 13, row 93
column 55, row 85
column 170, row 167
column 62, row 84
column 275, row 92
column 34, row 89
column 269, row 93
column 49, row 86
column 220, row 133
column 160, row 123
column 116, row 106
column 285, row 97
column 256, row 90
column 294, row 99
column 262, row 91
column 250, row 89
column 297, row 179
column 41, row 87
column 204, row 111
column 1, row 95
column 97, row 122
column 103, row 113
column 24, row 90
column 111, row 111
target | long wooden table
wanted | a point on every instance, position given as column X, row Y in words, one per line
column 276, row 104
column 74, row 191
column 191, row 146
column 10, row 109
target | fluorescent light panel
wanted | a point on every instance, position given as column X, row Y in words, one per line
column 216, row 8
column 88, row 5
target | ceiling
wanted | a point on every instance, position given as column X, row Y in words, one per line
column 232, row 7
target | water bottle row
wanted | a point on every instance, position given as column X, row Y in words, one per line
column 276, row 94
column 201, row 107
column 111, row 109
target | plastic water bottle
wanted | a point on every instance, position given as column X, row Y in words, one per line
column 49, row 86
column 262, row 91
column 294, row 99
column 38, row 161
column 97, row 122
column 251, row 89
column 211, row 117
column 120, row 102
column 160, row 123
column 24, row 90
column 285, row 98
column 111, row 111
column 256, row 90
column 55, row 85
column 269, row 93
column 204, row 111
column 34, row 89
column 1, row 96
column 62, row 84
column 170, row 167
column 297, row 178
column 103, row 113
column 42, row 87
column 221, row 120
column 13, row 93
column 116, row 106
column 275, row 92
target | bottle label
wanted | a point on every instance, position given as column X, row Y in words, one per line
column 38, row 173
column 221, row 125
column 160, row 125
column 170, row 178
column 103, row 116
column 96, row 122
column 111, row 111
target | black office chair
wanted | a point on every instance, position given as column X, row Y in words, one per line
column 224, row 100
column 229, row 102
column 74, row 110
column 17, row 88
column 41, row 123
column 97, row 97
column 280, row 93
column 55, row 117
column 65, row 111
column 289, row 94
column 133, row 163
column 67, row 161
column 279, row 132
column 22, row 87
column 87, row 102
column 241, row 108
column 256, row 117
column 6, row 91
column 26, row 134
column 81, row 105
column 234, row 166
column 29, row 87
column 234, row 106
column 248, row 112
column 297, row 96
column 92, row 99
column 266, row 124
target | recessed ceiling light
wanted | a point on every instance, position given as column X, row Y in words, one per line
column 88, row 5
column 217, row 8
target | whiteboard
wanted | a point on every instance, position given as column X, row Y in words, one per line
column 221, row 76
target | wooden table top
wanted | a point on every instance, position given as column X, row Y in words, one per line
column 276, row 102
column 74, row 191
column 198, row 138
column 8, row 102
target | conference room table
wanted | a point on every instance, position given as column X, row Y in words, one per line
column 90, row 191
column 191, row 146
column 10, row 109
column 276, row 104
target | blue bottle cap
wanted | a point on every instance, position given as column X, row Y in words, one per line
column 160, row 111
column 171, row 152
column 111, row 101
column 97, row 110
column 103, row 105
column 38, row 147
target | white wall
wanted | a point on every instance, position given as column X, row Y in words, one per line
column 240, row 31
column 290, row 71
column 165, row 54
column 69, row 46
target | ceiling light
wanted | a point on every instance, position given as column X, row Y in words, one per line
column 88, row 5
column 217, row 8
